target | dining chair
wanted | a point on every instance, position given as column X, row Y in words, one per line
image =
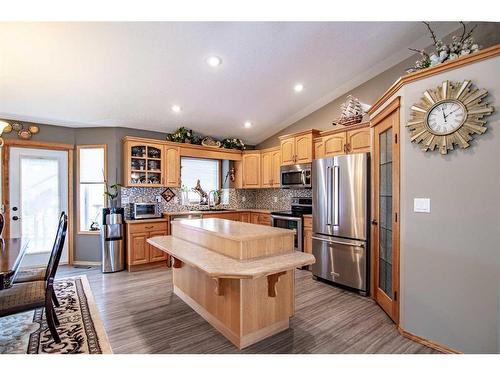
column 30, row 295
column 25, row 275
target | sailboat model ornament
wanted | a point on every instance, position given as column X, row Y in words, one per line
column 351, row 112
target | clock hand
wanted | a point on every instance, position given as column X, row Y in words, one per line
column 444, row 116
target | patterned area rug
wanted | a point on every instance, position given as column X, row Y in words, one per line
column 81, row 329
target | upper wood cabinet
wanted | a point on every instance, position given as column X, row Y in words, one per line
column 143, row 164
column 173, row 166
column 297, row 148
column 358, row 140
column 270, row 168
column 250, row 169
column 340, row 142
column 334, row 144
column 288, row 151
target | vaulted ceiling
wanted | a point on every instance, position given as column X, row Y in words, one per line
column 131, row 74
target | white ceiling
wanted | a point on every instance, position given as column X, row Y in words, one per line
column 130, row 74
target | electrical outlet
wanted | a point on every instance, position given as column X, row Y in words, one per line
column 158, row 198
column 243, row 199
column 275, row 199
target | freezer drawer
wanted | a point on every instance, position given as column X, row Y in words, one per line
column 341, row 261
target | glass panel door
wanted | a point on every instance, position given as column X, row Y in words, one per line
column 385, row 225
column 38, row 192
column 385, row 213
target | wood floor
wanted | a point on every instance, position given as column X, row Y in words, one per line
column 142, row 315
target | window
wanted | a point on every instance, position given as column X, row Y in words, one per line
column 205, row 170
column 91, row 169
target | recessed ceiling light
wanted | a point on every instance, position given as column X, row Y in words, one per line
column 214, row 61
column 298, row 87
column 247, row 124
column 176, row 108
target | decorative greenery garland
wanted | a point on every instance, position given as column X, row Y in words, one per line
column 185, row 135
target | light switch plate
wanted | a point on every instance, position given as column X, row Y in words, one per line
column 243, row 199
column 275, row 199
column 422, row 205
column 158, row 198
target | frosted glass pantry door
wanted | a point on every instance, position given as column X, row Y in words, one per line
column 38, row 190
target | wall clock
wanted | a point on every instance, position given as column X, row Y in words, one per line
column 448, row 116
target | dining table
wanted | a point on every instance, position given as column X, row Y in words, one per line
column 12, row 251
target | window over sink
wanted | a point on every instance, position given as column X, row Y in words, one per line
column 208, row 171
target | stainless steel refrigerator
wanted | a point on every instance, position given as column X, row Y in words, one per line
column 341, row 220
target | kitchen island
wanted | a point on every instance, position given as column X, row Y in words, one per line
column 237, row 276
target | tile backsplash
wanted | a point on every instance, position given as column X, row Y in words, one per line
column 272, row 199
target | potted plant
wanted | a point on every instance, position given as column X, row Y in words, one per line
column 111, row 192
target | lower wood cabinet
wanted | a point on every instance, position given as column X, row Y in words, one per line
column 260, row 218
column 245, row 217
column 140, row 254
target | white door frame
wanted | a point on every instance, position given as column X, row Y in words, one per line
column 4, row 193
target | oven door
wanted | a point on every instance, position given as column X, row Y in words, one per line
column 292, row 223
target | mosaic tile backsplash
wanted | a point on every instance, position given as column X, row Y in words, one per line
column 271, row 199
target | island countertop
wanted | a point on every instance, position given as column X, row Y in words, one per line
column 216, row 265
column 233, row 230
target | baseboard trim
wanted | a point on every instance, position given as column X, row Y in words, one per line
column 85, row 263
column 431, row 344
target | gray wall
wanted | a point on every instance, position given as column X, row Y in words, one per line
column 487, row 34
column 450, row 259
column 86, row 247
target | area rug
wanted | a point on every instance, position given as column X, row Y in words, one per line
column 81, row 329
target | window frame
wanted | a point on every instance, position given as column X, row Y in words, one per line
column 78, row 183
column 219, row 174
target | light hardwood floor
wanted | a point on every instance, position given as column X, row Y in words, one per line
column 142, row 315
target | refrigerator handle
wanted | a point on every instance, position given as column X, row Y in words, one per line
column 336, row 185
column 328, row 196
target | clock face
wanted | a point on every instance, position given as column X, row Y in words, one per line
column 446, row 116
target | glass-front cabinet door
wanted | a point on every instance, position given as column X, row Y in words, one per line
column 143, row 164
column 385, row 221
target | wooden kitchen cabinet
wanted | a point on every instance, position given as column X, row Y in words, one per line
column 173, row 166
column 143, row 164
column 251, row 165
column 260, row 218
column 358, row 140
column 288, row 151
column 140, row 254
column 341, row 142
column 297, row 148
column 270, row 168
column 245, row 217
column 334, row 144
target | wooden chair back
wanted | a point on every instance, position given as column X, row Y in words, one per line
column 2, row 224
column 57, row 249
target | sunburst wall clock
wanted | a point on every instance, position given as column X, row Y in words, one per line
column 448, row 116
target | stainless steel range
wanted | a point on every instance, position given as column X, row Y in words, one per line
column 293, row 219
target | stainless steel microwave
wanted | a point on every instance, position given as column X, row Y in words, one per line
column 296, row 176
column 144, row 210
